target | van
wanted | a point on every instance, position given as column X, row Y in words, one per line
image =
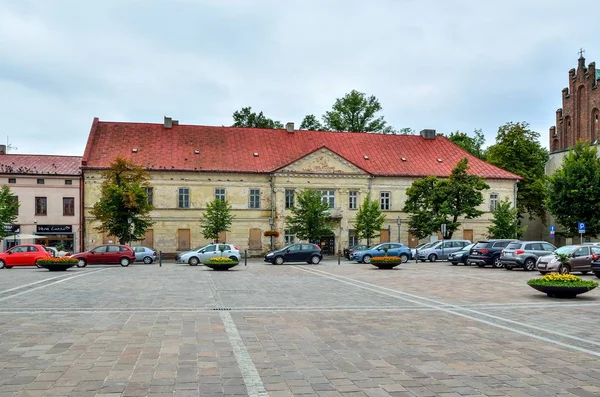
column 441, row 249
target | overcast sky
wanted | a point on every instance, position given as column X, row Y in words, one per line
column 446, row 64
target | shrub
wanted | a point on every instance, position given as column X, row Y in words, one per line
column 386, row 259
column 562, row 280
column 60, row 261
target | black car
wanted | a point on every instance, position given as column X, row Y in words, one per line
column 461, row 256
column 596, row 264
column 359, row 247
column 301, row 252
column 487, row 252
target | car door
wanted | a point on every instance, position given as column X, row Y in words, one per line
column 225, row 250
column 97, row 254
column 210, row 251
column 112, row 254
column 33, row 254
column 293, row 253
column 15, row 255
column 581, row 260
column 445, row 248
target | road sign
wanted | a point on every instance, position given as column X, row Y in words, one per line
column 552, row 229
column 443, row 230
column 581, row 227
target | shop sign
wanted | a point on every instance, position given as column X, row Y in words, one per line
column 54, row 228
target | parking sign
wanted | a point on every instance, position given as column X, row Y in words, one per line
column 581, row 227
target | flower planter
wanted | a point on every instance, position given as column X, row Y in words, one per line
column 271, row 233
column 220, row 263
column 56, row 264
column 386, row 262
column 561, row 291
column 562, row 285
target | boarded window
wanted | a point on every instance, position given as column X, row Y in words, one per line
column 183, row 239
column 254, row 239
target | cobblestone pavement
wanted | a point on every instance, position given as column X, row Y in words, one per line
column 423, row 329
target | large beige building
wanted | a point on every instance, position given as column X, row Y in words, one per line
column 258, row 172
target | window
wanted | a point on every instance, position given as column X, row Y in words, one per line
column 68, row 206
column 288, row 237
column 384, row 200
column 184, row 197
column 12, row 180
column 352, row 200
column 328, row 197
column 41, row 206
column 220, row 193
column 254, row 198
column 289, row 198
column 100, row 249
column 112, row 248
column 40, row 181
column 150, row 194
column 210, row 248
column 548, row 247
column 493, row 201
column 68, row 181
column 352, row 238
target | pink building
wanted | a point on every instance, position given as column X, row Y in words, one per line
column 49, row 192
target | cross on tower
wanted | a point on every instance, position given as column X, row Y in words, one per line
column 581, row 52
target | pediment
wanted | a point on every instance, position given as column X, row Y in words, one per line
column 322, row 161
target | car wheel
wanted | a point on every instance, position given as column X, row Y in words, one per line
column 367, row 259
column 81, row 263
column 193, row 261
column 584, row 273
column 432, row 258
column 2, row 264
column 147, row 260
column 466, row 262
column 37, row 264
column 497, row 262
column 315, row 260
column 508, row 267
column 124, row 262
column 543, row 273
column 454, row 263
column 597, row 274
column 279, row 260
column 233, row 258
column 529, row 264
column 481, row 264
column 404, row 258
column 564, row 269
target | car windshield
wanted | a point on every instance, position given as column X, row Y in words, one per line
column 426, row 245
column 567, row 249
column 468, row 247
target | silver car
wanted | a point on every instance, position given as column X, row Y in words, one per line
column 524, row 254
column 144, row 254
column 441, row 249
column 201, row 254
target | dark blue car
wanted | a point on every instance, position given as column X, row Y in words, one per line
column 393, row 249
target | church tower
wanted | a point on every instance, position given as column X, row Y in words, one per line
column 578, row 119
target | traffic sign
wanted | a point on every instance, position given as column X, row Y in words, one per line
column 552, row 230
column 581, row 227
column 443, row 230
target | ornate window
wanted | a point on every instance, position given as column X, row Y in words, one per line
column 353, row 200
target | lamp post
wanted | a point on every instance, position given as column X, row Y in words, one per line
column 399, row 222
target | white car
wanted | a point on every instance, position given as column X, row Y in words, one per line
column 199, row 255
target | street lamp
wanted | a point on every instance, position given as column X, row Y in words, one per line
column 398, row 222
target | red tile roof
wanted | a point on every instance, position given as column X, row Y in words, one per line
column 228, row 149
column 40, row 164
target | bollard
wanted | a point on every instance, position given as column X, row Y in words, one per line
column 339, row 258
column 245, row 257
column 159, row 258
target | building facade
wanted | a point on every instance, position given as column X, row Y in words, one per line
column 48, row 189
column 259, row 172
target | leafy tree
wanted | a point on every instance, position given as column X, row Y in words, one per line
column 310, row 217
column 369, row 220
column 216, row 219
column 518, row 150
column 123, row 209
column 249, row 119
column 9, row 208
column 432, row 201
column 311, row 123
column 406, row 131
column 505, row 222
column 472, row 144
column 574, row 191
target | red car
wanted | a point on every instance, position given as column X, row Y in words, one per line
column 23, row 255
column 106, row 254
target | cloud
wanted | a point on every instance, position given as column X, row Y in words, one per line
column 456, row 65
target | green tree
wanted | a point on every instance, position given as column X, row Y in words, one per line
column 406, row 131
column 432, row 202
column 505, row 222
column 311, row 123
column 249, row 119
column 9, row 208
column 369, row 220
column 310, row 217
column 216, row 219
column 518, row 150
column 574, row 191
column 123, row 208
column 472, row 144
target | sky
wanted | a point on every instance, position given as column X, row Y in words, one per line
column 447, row 65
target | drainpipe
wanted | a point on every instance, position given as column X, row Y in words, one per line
column 81, row 214
column 272, row 218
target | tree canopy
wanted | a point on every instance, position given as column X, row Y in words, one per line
column 216, row 219
column 249, row 119
column 574, row 191
column 369, row 220
column 9, row 209
column 518, row 150
column 472, row 144
column 123, row 208
column 505, row 221
column 310, row 217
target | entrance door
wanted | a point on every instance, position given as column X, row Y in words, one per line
column 327, row 244
column 384, row 236
column 468, row 234
column 148, row 240
column 183, row 239
column 254, row 239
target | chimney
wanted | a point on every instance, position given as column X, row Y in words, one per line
column 2, row 149
column 168, row 122
column 289, row 127
column 428, row 134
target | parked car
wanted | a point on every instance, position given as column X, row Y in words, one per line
column 416, row 249
column 23, row 255
column 487, row 252
column 359, row 247
column 580, row 260
column 460, row 256
column 596, row 263
column 441, row 249
column 524, row 254
column 144, row 254
column 201, row 254
column 106, row 254
column 394, row 249
column 301, row 252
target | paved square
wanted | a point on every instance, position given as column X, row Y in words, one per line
column 426, row 329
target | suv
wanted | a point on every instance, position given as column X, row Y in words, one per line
column 304, row 252
column 524, row 254
column 440, row 249
column 106, row 254
column 487, row 252
column 201, row 254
